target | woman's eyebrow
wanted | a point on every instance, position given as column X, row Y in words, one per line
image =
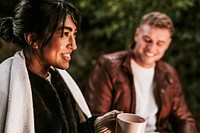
column 66, row 28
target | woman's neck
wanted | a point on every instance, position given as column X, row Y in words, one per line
column 37, row 67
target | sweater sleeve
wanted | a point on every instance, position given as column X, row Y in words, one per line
column 87, row 126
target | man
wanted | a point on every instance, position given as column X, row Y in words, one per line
column 138, row 81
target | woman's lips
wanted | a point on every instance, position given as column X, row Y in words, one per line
column 67, row 57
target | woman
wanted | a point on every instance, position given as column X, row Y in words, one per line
column 36, row 93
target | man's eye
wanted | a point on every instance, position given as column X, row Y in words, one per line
column 160, row 43
column 147, row 40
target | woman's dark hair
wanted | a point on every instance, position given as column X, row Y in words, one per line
column 39, row 17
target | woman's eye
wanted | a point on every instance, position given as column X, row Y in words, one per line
column 75, row 34
column 65, row 34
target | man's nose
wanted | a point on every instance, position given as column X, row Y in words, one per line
column 151, row 46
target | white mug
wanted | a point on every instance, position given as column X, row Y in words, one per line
column 130, row 123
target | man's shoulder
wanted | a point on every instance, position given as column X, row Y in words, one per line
column 168, row 71
column 115, row 56
column 165, row 66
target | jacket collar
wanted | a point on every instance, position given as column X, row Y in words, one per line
column 127, row 61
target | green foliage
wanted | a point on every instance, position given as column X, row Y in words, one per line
column 109, row 25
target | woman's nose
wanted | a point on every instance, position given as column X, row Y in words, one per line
column 72, row 41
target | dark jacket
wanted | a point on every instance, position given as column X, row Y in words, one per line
column 111, row 87
column 54, row 107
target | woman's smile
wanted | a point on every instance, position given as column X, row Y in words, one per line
column 66, row 57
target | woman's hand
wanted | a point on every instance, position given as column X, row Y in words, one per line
column 107, row 122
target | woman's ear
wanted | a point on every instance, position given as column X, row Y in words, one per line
column 30, row 40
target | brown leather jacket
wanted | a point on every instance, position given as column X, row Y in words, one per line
column 111, row 87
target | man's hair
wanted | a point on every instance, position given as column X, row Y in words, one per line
column 158, row 19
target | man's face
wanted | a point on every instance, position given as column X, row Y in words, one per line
column 150, row 44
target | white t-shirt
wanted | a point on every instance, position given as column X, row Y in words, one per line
column 145, row 101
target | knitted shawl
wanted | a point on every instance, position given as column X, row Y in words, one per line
column 16, row 104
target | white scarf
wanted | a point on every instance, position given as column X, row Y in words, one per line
column 16, row 103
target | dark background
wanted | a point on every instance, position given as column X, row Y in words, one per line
column 109, row 25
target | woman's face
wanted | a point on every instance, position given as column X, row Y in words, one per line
column 58, row 51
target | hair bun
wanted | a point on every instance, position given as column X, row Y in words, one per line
column 6, row 28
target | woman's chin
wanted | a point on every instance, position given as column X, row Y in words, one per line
column 64, row 67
